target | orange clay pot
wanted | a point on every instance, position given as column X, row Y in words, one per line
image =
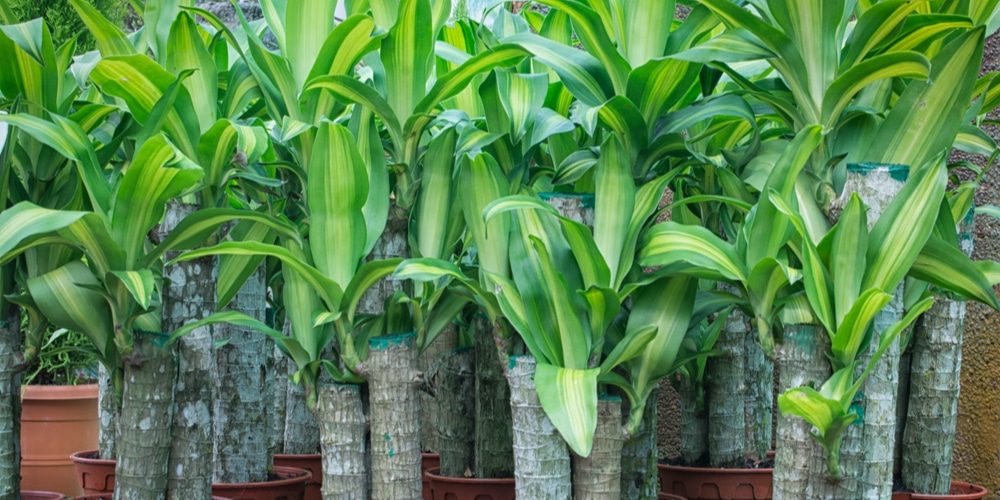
column 56, row 420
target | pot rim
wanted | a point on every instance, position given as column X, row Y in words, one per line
column 301, row 476
column 431, row 473
column 977, row 491
column 702, row 470
column 78, row 457
column 299, row 456
column 59, row 392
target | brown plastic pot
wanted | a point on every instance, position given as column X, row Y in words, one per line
column 669, row 496
column 93, row 474
column 959, row 491
column 41, row 495
column 699, row 483
column 56, row 420
column 290, row 485
column 312, row 463
column 469, row 488
column 428, row 461
column 107, row 496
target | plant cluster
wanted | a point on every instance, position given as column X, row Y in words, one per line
column 614, row 195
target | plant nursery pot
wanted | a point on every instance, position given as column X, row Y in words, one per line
column 959, row 491
column 312, row 463
column 56, row 420
column 428, row 461
column 93, row 474
column 41, row 495
column 700, row 483
column 669, row 496
column 108, row 496
column 290, row 485
column 462, row 488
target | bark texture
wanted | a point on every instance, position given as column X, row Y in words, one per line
column 758, row 402
column 279, row 378
column 10, row 406
column 694, row 425
column 107, row 411
column 867, row 450
column 494, row 446
column 300, row 426
column 576, row 207
column 144, row 426
column 936, row 364
column 541, row 458
column 189, row 295
column 395, row 417
column 446, row 342
column 640, row 480
column 240, row 409
column 599, row 476
column 342, row 437
column 726, row 390
column 802, row 361
column 454, row 380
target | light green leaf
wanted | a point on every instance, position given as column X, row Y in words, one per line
column 139, row 284
column 569, row 398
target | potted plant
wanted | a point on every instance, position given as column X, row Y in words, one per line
column 58, row 412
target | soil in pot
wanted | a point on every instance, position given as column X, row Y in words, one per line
column 959, row 491
column 461, row 488
column 56, row 420
column 287, row 483
column 312, row 463
column 700, row 483
column 41, row 495
column 428, row 461
column 93, row 474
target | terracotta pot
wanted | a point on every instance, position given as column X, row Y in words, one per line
column 93, row 474
column 107, row 496
column 312, row 463
column 41, row 495
column 462, row 488
column 669, row 496
column 428, row 461
column 959, row 491
column 56, row 420
column 697, row 483
column 290, row 485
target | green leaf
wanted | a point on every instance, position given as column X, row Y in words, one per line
column 351, row 90
column 337, row 191
column 308, row 24
column 407, row 54
column 666, row 303
column 188, row 51
column 453, row 82
column 583, row 75
column 64, row 297
column 632, row 345
column 614, row 202
column 290, row 346
column 847, row 255
column 882, row 67
column 25, row 221
column 588, row 27
column 642, row 34
column 367, row 276
column 139, row 284
column 110, row 39
column 569, row 398
column 434, row 201
column 852, row 331
column 709, row 257
column 945, row 266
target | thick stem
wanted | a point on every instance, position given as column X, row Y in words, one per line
column 107, row 412
column 640, row 480
column 446, row 342
column 694, row 425
column 240, row 411
column 301, row 428
column 190, row 296
column 494, row 444
column 395, row 417
column 342, row 437
column 758, row 402
column 599, row 476
column 929, row 437
column 726, row 390
column 872, row 439
column 902, row 403
column 10, row 406
column 802, row 361
column 541, row 458
column 454, row 380
column 279, row 410
column 144, row 428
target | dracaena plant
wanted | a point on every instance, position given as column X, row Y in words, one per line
column 845, row 279
column 855, row 68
